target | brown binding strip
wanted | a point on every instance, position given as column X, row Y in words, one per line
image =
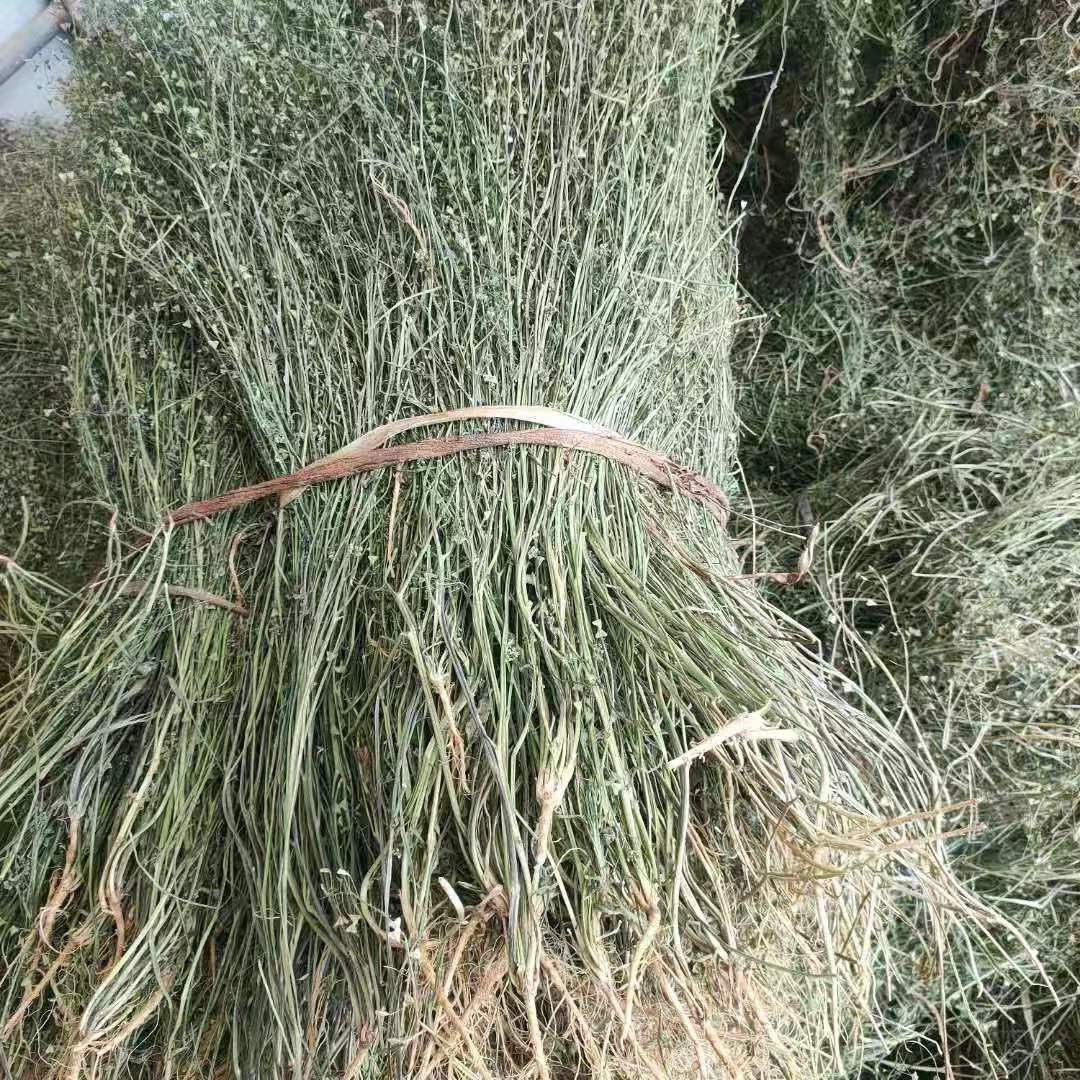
column 656, row 467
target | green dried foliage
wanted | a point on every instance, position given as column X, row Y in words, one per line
column 414, row 816
column 41, row 485
column 41, row 478
column 911, row 242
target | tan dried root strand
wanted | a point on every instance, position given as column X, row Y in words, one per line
column 77, row 940
column 719, row 1049
column 493, row 978
column 63, row 886
column 536, row 1034
column 493, row 903
column 652, row 927
column 110, row 903
column 75, row 1062
column 581, row 1022
column 747, row 992
column 450, row 1012
column 133, row 1024
column 629, row 1035
column 683, row 1014
column 661, row 470
column 699, row 1010
column 93, row 1043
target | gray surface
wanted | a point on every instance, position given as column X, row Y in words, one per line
column 34, row 91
